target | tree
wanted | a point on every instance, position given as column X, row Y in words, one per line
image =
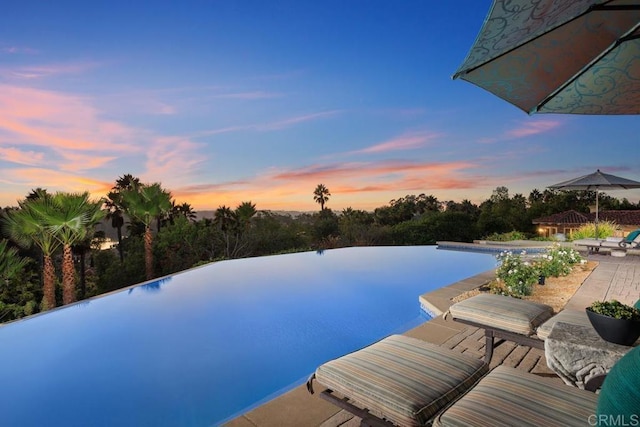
column 355, row 226
column 113, row 203
column 70, row 217
column 233, row 225
column 25, row 227
column 146, row 203
column 184, row 210
column 321, row 195
column 244, row 213
column 11, row 263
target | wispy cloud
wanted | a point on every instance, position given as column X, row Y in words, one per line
column 533, row 128
column 292, row 121
column 13, row 50
column 29, row 178
column 79, row 162
column 523, row 130
column 347, row 182
column 22, row 157
column 60, row 121
column 174, row 156
column 403, row 142
column 66, row 138
column 250, row 95
column 385, row 169
column 48, row 70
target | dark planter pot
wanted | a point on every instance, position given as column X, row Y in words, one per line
column 617, row 331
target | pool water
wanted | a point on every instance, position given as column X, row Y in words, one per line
column 201, row 347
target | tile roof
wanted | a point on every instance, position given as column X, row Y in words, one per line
column 626, row 217
column 566, row 217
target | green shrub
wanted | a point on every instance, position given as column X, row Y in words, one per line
column 515, row 276
column 588, row 231
column 615, row 309
column 557, row 261
column 506, row 237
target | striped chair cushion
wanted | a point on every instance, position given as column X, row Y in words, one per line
column 508, row 397
column 404, row 380
column 502, row 312
column 575, row 317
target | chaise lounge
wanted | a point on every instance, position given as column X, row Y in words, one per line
column 511, row 319
column 631, row 241
column 404, row 381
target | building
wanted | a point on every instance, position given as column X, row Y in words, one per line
column 568, row 221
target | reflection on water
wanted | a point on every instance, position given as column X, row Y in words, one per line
column 151, row 286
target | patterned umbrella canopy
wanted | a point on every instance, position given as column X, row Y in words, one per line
column 560, row 56
column 597, row 181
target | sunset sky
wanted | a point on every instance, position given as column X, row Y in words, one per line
column 252, row 100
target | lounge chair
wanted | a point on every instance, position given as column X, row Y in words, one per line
column 408, row 382
column 506, row 318
column 631, row 241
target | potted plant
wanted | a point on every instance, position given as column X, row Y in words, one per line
column 615, row 322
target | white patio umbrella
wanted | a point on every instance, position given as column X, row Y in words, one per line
column 597, row 181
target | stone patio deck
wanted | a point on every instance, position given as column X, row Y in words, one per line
column 613, row 278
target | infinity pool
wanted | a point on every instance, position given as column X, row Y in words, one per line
column 200, row 347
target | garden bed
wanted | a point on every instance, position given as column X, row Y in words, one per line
column 556, row 291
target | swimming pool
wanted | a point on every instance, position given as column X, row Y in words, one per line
column 200, row 347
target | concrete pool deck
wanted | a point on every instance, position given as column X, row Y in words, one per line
column 613, row 278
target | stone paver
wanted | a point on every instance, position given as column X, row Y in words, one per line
column 613, row 278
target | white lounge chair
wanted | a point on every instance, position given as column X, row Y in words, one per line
column 631, row 241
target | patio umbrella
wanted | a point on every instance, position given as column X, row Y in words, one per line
column 597, row 181
column 560, row 56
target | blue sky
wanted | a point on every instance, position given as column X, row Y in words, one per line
column 231, row 101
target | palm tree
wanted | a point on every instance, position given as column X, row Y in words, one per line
column 114, row 205
column 244, row 212
column 11, row 263
column 146, row 203
column 37, row 193
column 226, row 220
column 70, row 217
column 25, row 227
column 321, row 195
column 184, row 209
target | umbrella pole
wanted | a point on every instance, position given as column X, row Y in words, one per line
column 597, row 213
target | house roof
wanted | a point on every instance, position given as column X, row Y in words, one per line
column 566, row 217
column 626, row 217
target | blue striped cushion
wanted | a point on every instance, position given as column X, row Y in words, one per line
column 404, row 380
column 502, row 312
column 509, row 397
column 575, row 317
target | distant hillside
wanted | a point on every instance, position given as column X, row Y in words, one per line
column 211, row 214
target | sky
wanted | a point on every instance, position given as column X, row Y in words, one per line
column 252, row 100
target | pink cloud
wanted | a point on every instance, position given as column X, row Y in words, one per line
column 404, row 142
column 76, row 162
column 59, row 121
column 533, row 128
column 348, row 182
column 23, row 180
column 15, row 155
column 174, row 157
